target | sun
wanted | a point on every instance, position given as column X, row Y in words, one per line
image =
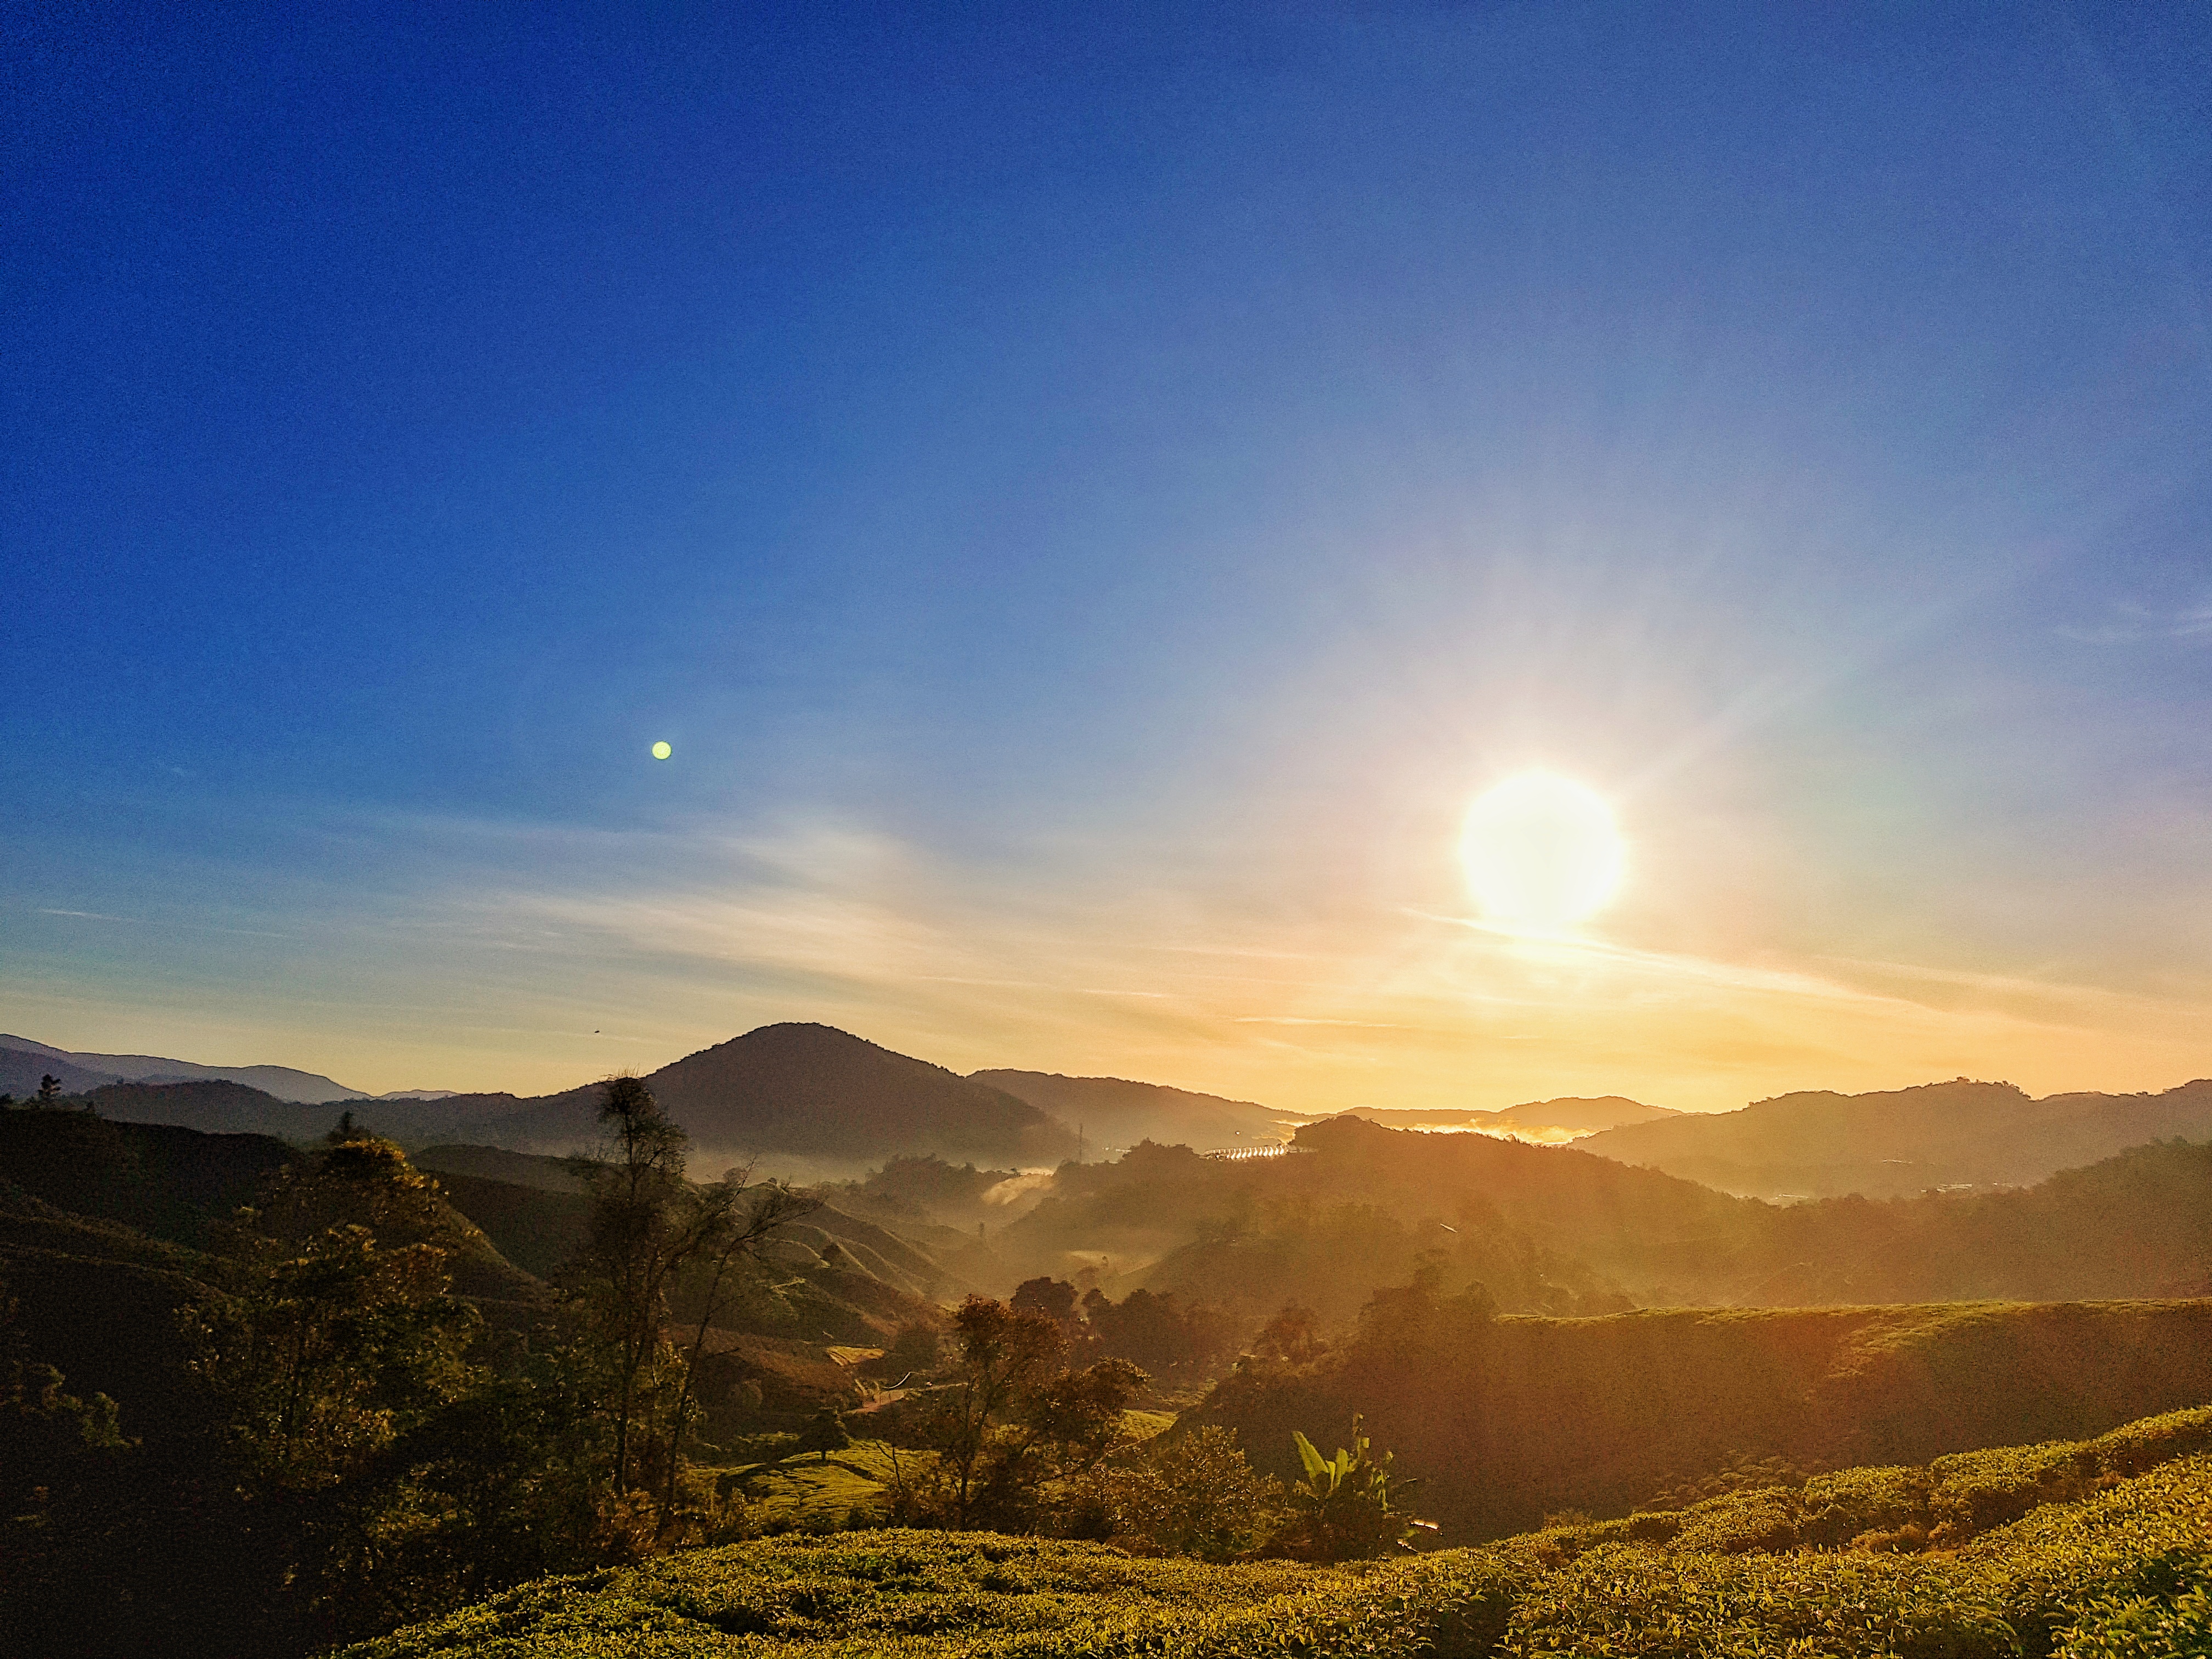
column 1542, row 853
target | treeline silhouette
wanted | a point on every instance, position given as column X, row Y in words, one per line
column 292, row 1399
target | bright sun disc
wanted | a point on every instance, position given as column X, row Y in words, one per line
column 1542, row 853
column 661, row 751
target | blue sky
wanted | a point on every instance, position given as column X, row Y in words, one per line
column 1089, row 496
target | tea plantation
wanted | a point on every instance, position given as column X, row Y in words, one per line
column 2083, row 1550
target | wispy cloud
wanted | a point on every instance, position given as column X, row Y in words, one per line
column 1300, row 1019
column 2129, row 622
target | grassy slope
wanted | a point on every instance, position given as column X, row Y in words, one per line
column 1511, row 1420
column 807, row 1492
column 1717, row 1580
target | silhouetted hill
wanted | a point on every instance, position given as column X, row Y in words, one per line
column 165, row 1181
column 1115, row 1114
column 23, row 1069
column 813, row 1092
column 1556, row 1229
column 212, row 1106
column 1506, row 1419
column 805, row 1091
column 1357, row 1206
column 535, row 1229
column 284, row 1082
column 1905, row 1141
column 2137, row 1225
column 216, row 1106
column 1573, row 1114
column 171, row 1183
column 1567, row 1118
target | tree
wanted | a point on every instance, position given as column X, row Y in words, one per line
column 736, row 1219
column 826, row 1433
column 1013, row 1419
column 338, row 1330
column 1003, row 1353
column 1195, row 1495
column 1291, row 1336
column 1055, row 1298
column 50, row 1089
column 1155, row 1331
column 648, row 1226
column 644, row 1227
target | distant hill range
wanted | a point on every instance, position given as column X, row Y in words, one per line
column 805, row 1092
column 818, row 1097
column 1114, row 1114
column 24, row 1063
column 1904, row 1140
column 1570, row 1117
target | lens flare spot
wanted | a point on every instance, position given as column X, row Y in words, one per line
column 661, row 750
column 1542, row 853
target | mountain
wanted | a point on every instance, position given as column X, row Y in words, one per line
column 224, row 1106
column 1114, row 1114
column 1550, row 1122
column 809, row 1091
column 812, row 1091
column 214, row 1107
column 1904, row 1140
column 23, row 1068
column 1569, row 1117
column 282, row 1081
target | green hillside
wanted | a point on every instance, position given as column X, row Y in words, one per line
column 1509, row 1419
column 2049, row 1550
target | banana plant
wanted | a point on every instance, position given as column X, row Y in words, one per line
column 1346, row 1500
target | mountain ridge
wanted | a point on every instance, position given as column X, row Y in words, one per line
column 1818, row 1144
column 1116, row 1113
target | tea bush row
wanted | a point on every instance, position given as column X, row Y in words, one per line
column 2106, row 1573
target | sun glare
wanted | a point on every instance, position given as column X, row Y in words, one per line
column 1542, row 853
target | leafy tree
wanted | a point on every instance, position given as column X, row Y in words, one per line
column 736, row 1219
column 1003, row 1353
column 649, row 1226
column 915, row 1351
column 1341, row 1511
column 339, row 1330
column 50, row 1089
column 1157, row 1332
column 646, row 1223
column 827, row 1432
column 1055, row 1298
column 1013, row 1418
column 1196, row 1495
column 1291, row 1336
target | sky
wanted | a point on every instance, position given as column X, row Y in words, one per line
column 1089, row 496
